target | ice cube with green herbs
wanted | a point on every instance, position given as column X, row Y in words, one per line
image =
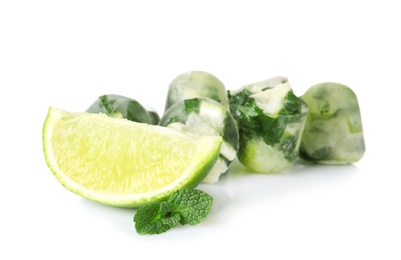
column 196, row 84
column 123, row 107
column 333, row 131
column 206, row 117
column 270, row 120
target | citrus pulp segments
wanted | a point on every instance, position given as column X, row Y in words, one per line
column 86, row 153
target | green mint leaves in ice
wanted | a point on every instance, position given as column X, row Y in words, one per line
column 196, row 84
column 333, row 130
column 124, row 107
column 185, row 206
column 205, row 116
column 270, row 120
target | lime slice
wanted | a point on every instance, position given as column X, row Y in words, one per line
column 123, row 163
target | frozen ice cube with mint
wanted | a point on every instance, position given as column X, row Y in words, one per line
column 333, row 131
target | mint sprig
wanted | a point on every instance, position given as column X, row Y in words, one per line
column 185, row 206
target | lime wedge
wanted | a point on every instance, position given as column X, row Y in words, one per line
column 123, row 163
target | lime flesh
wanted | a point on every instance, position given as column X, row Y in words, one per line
column 124, row 163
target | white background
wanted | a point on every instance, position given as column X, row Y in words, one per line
column 67, row 53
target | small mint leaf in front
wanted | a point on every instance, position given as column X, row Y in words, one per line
column 155, row 218
column 186, row 206
column 192, row 205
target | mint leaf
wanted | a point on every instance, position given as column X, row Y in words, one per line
column 155, row 218
column 192, row 205
column 185, row 206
